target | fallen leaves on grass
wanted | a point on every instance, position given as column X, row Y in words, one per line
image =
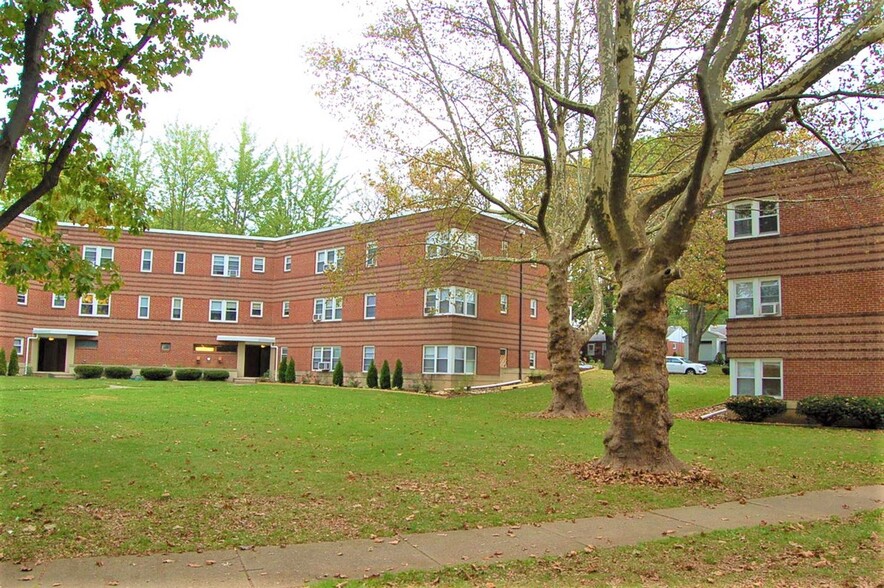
column 593, row 471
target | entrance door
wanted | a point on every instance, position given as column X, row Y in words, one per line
column 257, row 361
column 53, row 355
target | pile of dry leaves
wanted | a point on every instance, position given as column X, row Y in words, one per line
column 597, row 473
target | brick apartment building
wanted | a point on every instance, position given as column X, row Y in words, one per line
column 805, row 271
column 407, row 288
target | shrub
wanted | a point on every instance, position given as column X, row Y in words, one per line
column 755, row 408
column 726, row 370
column 117, row 372
column 869, row 411
column 338, row 375
column 385, row 376
column 88, row 372
column 2, row 362
column 371, row 378
column 188, row 374
column 156, row 373
column 290, row 375
column 826, row 410
column 280, row 373
column 215, row 375
column 397, row 375
column 12, row 370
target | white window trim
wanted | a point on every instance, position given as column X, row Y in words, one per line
column 365, row 306
column 223, row 311
column 255, row 262
column 322, row 256
column 532, row 360
column 18, row 343
column 320, row 365
column 758, row 374
column 532, row 308
column 95, row 303
column 180, row 309
column 755, row 216
column 21, row 298
column 183, row 255
column 450, row 359
column 99, row 249
column 371, row 254
column 452, row 291
column 287, row 263
column 286, row 308
column 337, row 309
column 756, row 297
column 374, row 354
column 227, row 272
column 451, row 242
column 56, row 298
column 256, row 305
column 144, row 306
column 504, row 304
column 147, row 256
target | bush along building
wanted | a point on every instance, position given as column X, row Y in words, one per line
column 805, row 271
column 409, row 288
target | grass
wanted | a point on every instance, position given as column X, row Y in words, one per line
column 824, row 553
column 89, row 468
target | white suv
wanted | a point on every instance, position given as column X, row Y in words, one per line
column 677, row 365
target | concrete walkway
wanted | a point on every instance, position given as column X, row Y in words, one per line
column 298, row 564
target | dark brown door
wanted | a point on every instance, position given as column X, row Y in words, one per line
column 53, row 355
column 257, row 361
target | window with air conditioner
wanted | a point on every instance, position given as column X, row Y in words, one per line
column 225, row 265
column 450, row 300
column 328, row 309
column 455, row 242
column 328, row 260
column 325, row 358
column 754, row 297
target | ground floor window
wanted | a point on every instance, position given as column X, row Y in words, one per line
column 532, row 360
column 449, row 359
column 367, row 357
column 325, row 358
column 19, row 345
column 757, row 377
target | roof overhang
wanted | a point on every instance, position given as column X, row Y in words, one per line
column 246, row 339
column 65, row 332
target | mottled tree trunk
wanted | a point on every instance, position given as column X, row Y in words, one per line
column 564, row 348
column 639, row 435
column 696, row 327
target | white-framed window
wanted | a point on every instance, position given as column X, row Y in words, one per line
column 452, row 242
column 328, row 309
column 90, row 305
column 225, row 265
column 286, row 308
column 257, row 309
column 532, row 360
column 367, row 357
column 449, row 359
column 21, row 298
column 18, row 344
column 177, row 309
column 144, row 307
column 504, row 248
column 754, row 297
column 755, row 218
column 223, row 311
column 757, row 377
column 96, row 254
column 325, row 358
column 147, row 260
column 371, row 254
column 450, row 300
column 329, row 259
column 532, row 308
column 283, row 353
column 258, row 265
column 371, row 304
column 504, row 303
column 180, row 262
column 59, row 300
column 287, row 263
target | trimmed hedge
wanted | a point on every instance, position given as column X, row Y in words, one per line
column 868, row 410
column 216, row 375
column 828, row 410
column 755, row 409
column 117, row 372
column 188, row 374
column 156, row 373
column 88, row 372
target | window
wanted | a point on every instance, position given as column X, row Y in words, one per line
column 504, row 304
column 283, row 353
column 22, row 298
column 450, row 300
column 225, row 265
column 257, row 309
column 757, row 377
column 90, row 305
column 144, row 307
column 371, row 254
column 504, row 248
column 754, row 297
column 532, row 360
column 532, row 308
column 97, row 254
column 329, row 259
column 325, row 358
column 180, row 259
column 286, row 308
column 287, row 263
column 753, row 219
column 177, row 309
column 19, row 345
column 367, row 357
column 328, row 309
column 371, row 302
column 86, row 344
column 59, row 300
column 452, row 242
column 449, row 359
column 147, row 260
column 165, row 347
column 258, row 265
column 223, row 311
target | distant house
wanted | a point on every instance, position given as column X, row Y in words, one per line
column 676, row 340
column 597, row 347
column 713, row 342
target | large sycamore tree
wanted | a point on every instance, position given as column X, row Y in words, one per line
column 66, row 67
column 572, row 87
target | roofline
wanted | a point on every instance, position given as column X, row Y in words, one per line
column 796, row 158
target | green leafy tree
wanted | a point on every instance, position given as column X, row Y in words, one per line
column 290, row 375
column 2, row 362
column 280, row 372
column 371, row 378
column 385, row 376
column 12, row 370
column 338, row 374
column 397, row 375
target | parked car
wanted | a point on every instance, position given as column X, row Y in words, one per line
column 678, row 365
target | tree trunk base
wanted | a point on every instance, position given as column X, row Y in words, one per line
column 659, row 464
column 565, row 413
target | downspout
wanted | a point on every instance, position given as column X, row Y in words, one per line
column 274, row 370
column 28, row 353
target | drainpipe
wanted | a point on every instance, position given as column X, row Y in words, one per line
column 28, row 352
column 273, row 368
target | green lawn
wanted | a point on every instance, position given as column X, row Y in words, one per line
column 88, row 468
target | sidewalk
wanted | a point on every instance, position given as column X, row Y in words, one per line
column 297, row 564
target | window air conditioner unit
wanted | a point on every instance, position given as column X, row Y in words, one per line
column 324, row 366
column 770, row 308
column 317, row 318
column 232, row 273
column 430, row 310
